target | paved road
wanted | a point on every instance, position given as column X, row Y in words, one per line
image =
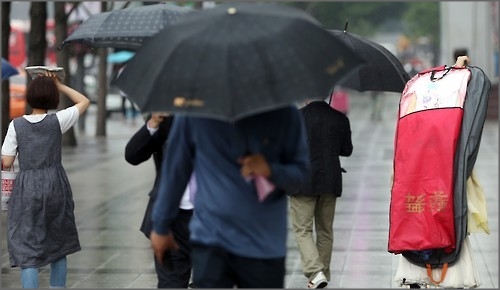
column 110, row 197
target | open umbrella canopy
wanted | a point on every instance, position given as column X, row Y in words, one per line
column 126, row 28
column 235, row 60
column 8, row 69
column 383, row 71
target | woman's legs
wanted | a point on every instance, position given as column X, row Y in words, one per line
column 58, row 272
column 29, row 277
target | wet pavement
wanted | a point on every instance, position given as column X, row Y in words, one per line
column 111, row 195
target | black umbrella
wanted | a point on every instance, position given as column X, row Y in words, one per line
column 235, row 60
column 125, row 28
column 383, row 71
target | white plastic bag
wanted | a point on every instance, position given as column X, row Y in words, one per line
column 8, row 178
column 462, row 274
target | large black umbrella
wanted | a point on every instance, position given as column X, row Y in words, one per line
column 125, row 28
column 235, row 60
column 383, row 71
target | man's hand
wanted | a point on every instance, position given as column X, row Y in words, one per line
column 156, row 119
column 255, row 164
column 162, row 243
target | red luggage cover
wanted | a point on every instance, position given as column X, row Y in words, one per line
column 430, row 117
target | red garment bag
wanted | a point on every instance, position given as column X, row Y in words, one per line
column 430, row 117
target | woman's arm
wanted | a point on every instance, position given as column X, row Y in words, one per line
column 9, row 147
column 81, row 102
column 7, row 162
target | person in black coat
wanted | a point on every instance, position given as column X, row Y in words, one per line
column 329, row 136
column 149, row 140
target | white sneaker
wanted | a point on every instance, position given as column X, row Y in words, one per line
column 319, row 281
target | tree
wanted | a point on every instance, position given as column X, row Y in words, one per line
column 422, row 19
column 79, row 51
column 37, row 41
column 61, row 28
column 365, row 18
column 5, row 53
column 102, row 87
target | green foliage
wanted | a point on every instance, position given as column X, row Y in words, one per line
column 422, row 19
column 365, row 18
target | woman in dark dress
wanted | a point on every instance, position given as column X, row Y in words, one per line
column 41, row 221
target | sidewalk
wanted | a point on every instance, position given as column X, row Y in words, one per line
column 111, row 195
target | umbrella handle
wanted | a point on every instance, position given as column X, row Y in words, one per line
column 346, row 23
column 331, row 96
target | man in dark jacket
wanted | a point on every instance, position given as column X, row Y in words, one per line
column 329, row 136
column 149, row 141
